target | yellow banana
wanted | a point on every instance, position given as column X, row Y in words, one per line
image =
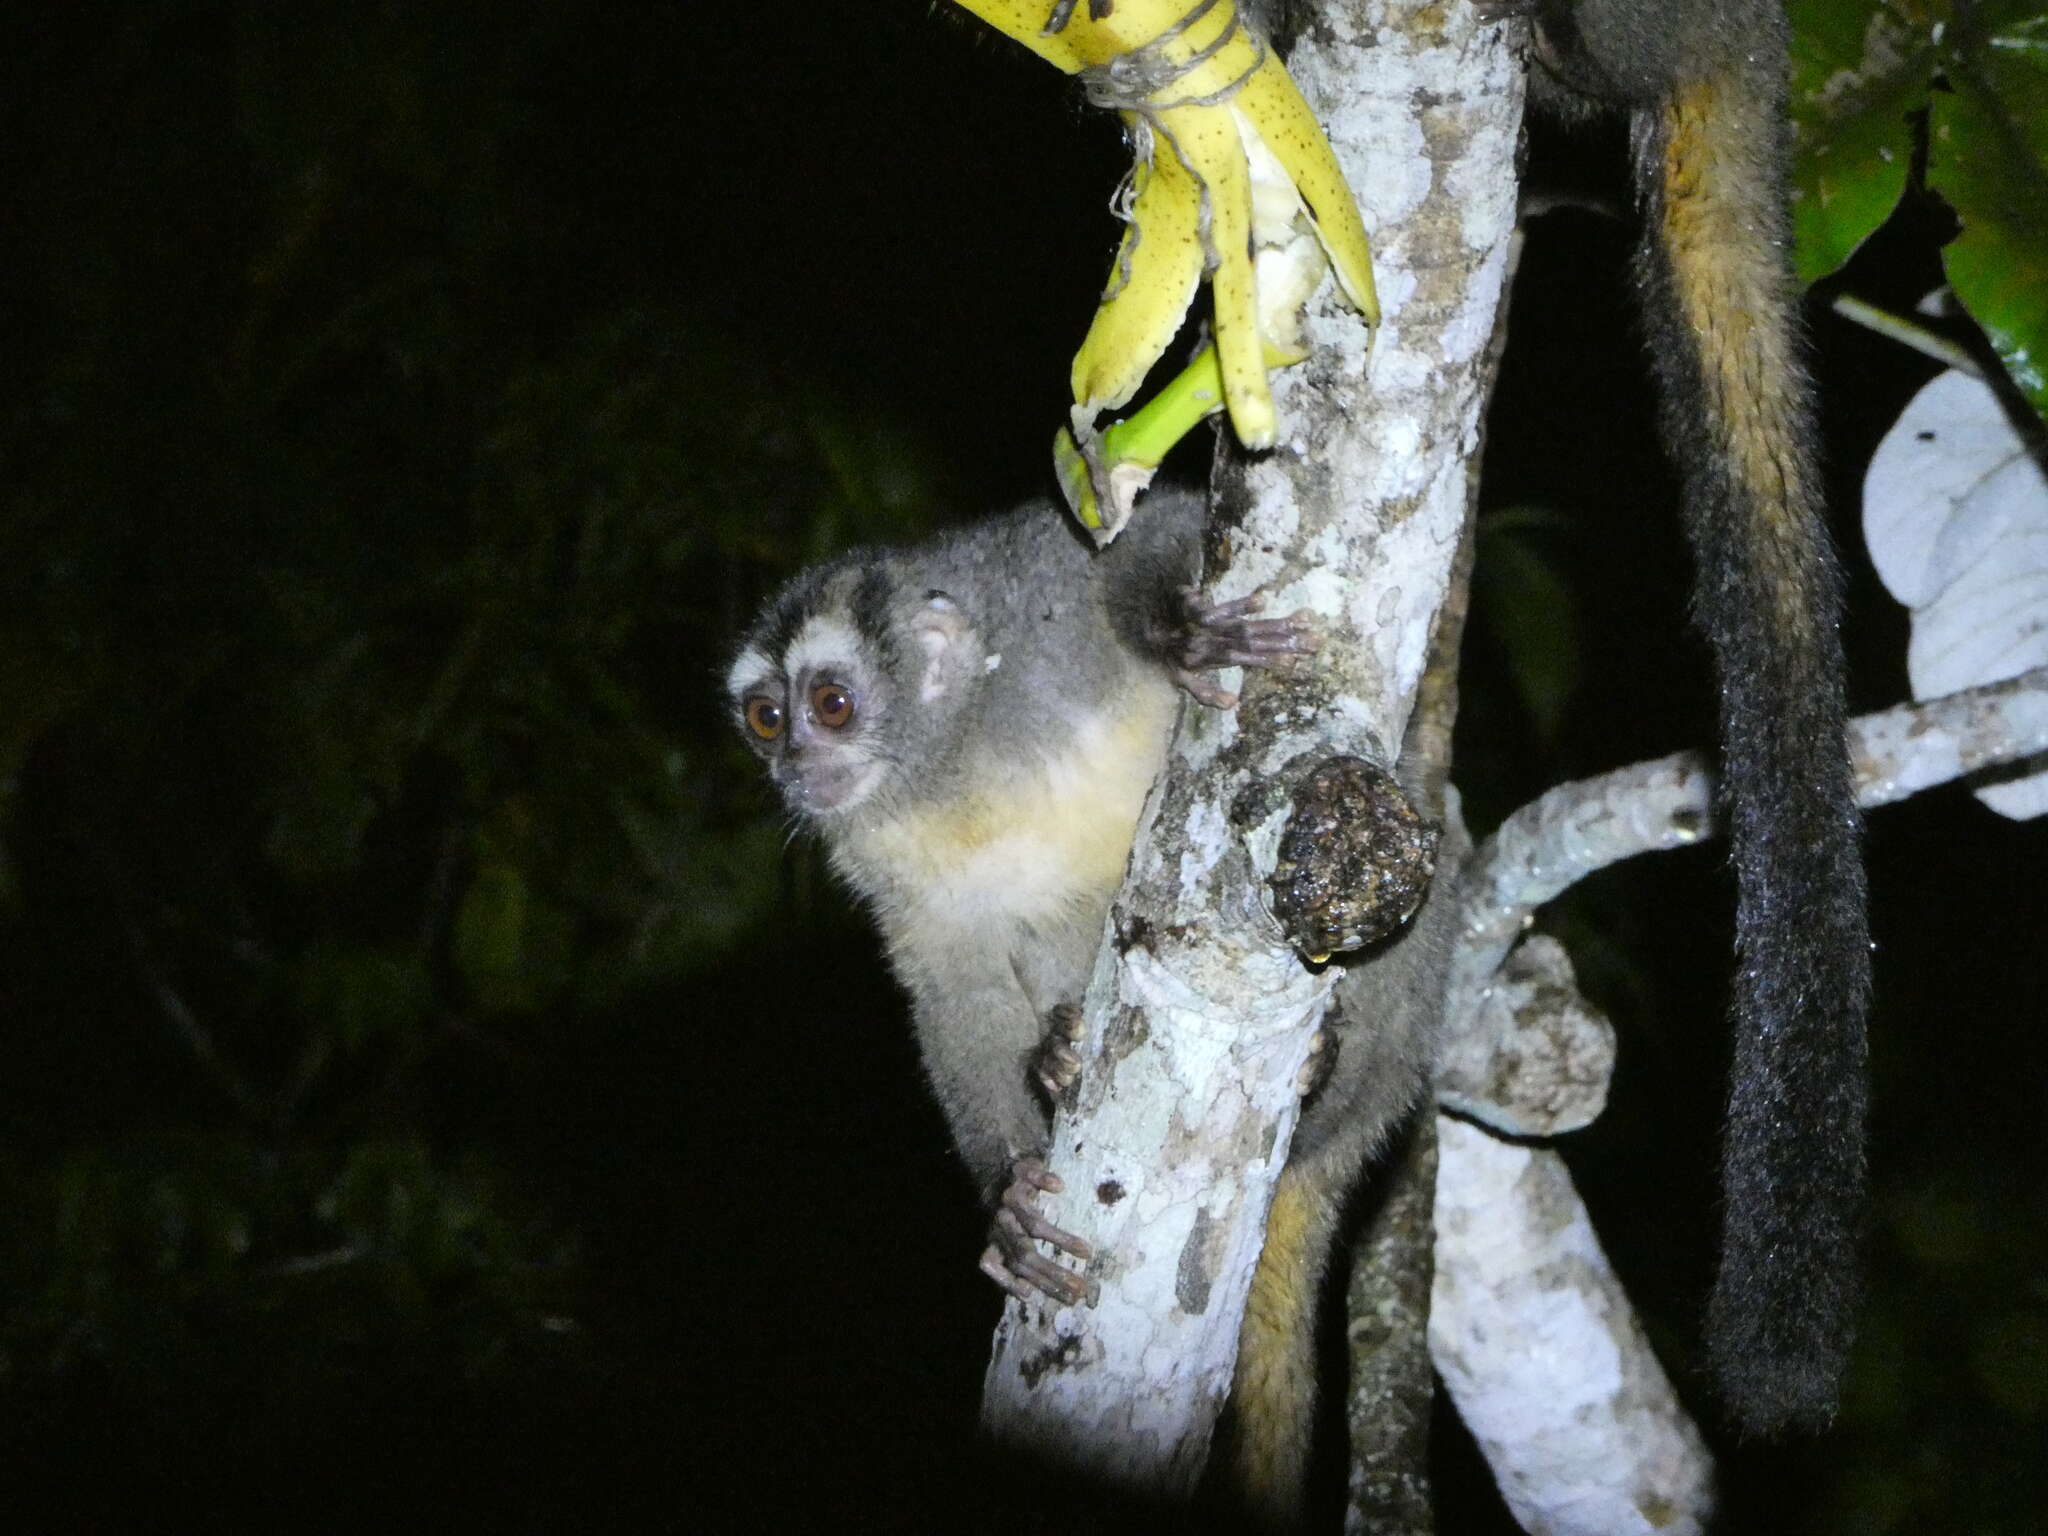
column 1271, row 104
column 1228, row 158
column 1158, row 267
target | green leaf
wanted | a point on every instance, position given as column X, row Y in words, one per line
column 1989, row 158
column 353, row 995
column 512, row 946
column 1939, row 1225
column 1533, row 611
column 1859, row 72
column 2010, row 1359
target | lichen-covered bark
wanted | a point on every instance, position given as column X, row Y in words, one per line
column 1544, row 1357
column 1571, row 831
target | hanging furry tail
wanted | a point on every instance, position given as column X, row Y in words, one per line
column 1738, row 412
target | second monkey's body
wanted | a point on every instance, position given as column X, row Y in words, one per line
column 1704, row 85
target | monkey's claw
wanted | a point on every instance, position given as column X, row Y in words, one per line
column 1010, row 1259
column 1226, row 635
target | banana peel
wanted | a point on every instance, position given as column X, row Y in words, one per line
column 1233, row 180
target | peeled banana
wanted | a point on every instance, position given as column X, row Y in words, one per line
column 1233, row 180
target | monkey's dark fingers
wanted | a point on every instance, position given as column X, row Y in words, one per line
column 1203, row 689
column 992, row 1265
column 1030, row 1276
column 1058, row 1064
column 1059, row 1067
column 1212, row 635
column 1204, row 653
column 1203, row 612
column 1253, row 643
column 1242, row 642
column 1019, row 1207
column 1234, row 619
column 1057, row 1281
column 1011, row 1261
column 1064, row 1021
column 1025, row 1219
column 1029, row 1170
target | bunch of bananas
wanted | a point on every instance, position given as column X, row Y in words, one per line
column 1232, row 180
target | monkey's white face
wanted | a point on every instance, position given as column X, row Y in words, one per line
column 810, row 717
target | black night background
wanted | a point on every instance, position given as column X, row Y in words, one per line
column 422, row 1061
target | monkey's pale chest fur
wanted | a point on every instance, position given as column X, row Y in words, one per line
column 1037, row 843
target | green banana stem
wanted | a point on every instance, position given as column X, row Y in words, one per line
column 1094, row 468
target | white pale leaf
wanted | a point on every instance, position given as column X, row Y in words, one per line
column 1956, row 517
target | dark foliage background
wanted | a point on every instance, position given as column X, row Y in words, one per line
column 420, row 1057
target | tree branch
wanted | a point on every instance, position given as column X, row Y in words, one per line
column 1542, row 1353
column 1393, row 1391
column 1576, row 829
column 1529, row 1326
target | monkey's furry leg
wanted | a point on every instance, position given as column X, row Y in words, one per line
column 1273, row 1397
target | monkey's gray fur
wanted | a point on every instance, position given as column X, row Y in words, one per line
column 1012, row 695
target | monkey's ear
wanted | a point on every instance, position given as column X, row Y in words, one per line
column 951, row 648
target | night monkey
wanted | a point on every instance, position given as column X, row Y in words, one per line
column 971, row 726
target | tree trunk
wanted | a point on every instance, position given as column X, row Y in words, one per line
column 1200, row 1015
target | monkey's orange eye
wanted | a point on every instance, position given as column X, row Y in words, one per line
column 764, row 717
column 832, row 704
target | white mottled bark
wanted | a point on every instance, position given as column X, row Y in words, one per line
column 1550, row 1370
column 1199, row 1017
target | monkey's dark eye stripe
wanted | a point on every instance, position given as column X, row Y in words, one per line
column 832, row 704
column 764, row 718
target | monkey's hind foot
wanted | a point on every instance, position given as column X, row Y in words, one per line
column 1226, row 635
column 1057, row 1067
column 1010, row 1259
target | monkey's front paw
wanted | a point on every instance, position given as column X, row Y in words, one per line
column 1226, row 635
column 1013, row 1262
column 1355, row 860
